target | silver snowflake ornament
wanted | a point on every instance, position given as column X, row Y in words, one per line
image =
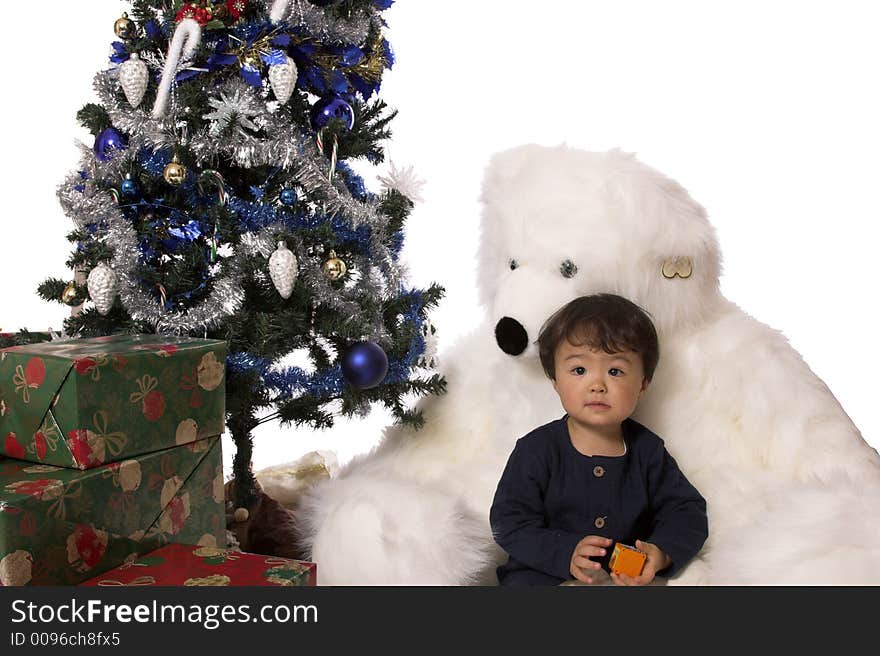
column 404, row 181
column 232, row 108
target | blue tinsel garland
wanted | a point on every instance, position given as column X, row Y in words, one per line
column 294, row 381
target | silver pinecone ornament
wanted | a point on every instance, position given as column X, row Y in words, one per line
column 133, row 76
column 283, row 270
column 103, row 286
column 283, row 79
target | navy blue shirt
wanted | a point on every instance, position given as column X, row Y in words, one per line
column 551, row 496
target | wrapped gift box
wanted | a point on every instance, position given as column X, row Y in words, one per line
column 61, row 526
column 187, row 565
column 26, row 337
column 87, row 402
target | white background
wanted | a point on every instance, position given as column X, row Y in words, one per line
column 767, row 112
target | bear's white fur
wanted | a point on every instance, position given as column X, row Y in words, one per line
column 791, row 486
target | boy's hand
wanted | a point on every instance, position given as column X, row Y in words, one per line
column 581, row 565
column 656, row 561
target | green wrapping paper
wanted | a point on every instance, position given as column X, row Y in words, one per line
column 62, row 526
column 85, row 403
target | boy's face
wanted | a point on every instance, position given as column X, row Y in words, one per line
column 598, row 390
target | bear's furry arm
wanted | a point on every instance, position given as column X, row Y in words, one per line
column 518, row 520
column 680, row 525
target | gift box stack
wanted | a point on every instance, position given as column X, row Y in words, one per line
column 112, row 450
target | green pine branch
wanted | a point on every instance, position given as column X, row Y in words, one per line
column 397, row 208
column 371, row 128
column 143, row 11
column 53, row 288
column 89, row 323
column 94, row 118
column 304, row 411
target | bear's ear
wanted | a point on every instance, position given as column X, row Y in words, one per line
column 502, row 173
column 671, row 232
column 503, row 169
column 514, row 177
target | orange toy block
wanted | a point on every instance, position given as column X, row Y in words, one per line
column 627, row 560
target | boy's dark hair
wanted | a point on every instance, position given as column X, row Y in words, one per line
column 602, row 321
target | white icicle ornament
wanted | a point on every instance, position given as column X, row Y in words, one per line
column 134, row 76
column 283, row 269
column 103, row 286
column 429, row 357
column 283, row 78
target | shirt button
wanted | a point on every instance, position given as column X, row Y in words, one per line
column 598, row 472
column 600, row 522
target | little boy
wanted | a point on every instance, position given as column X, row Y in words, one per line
column 573, row 487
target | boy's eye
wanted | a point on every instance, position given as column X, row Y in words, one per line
column 514, row 265
column 578, row 371
column 614, row 371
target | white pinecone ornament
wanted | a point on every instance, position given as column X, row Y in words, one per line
column 103, row 286
column 133, row 76
column 283, row 77
column 283, row 269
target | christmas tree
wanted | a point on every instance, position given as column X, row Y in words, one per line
column 217, row 201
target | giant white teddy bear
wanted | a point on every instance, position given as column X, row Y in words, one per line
column 791, row 486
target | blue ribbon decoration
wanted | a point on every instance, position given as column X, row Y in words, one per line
column 120, row 53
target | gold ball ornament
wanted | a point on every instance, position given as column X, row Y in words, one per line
column 68, row 296
column 124, row 27
column 175, row 173
column 241, row 515
column 334, row 268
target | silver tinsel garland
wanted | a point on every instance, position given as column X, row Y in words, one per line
column 284, row 145
column 95, row 205
column 278, row 143
column 328, row 30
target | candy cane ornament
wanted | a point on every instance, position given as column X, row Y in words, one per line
column 276, row 14
column 186, row 40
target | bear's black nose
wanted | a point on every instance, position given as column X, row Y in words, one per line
column 512, row 338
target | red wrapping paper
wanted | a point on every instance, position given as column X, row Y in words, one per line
column 190, row 565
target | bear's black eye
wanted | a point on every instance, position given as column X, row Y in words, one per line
column 514, row 265
column 569, row 269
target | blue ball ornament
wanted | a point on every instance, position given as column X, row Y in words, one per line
column 289, row 197
column 365, row 365
column 129, row 188
column 108, row 141
column 329, row 108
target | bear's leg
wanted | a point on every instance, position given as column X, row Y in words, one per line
column 368, row 529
